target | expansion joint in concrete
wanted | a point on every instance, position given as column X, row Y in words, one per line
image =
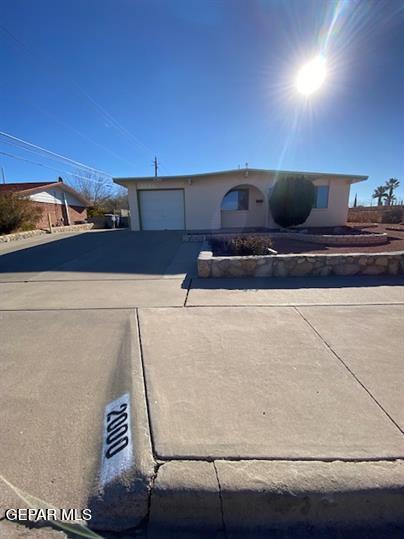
column 248, row 458
column 188, row 290
column 327, row 345
column 141, row 354
column 220, row 500
column 146, row 519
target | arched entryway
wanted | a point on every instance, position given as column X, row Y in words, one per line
column 243, row 206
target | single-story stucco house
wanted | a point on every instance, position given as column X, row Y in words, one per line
column 59, row 202
column 228, row 199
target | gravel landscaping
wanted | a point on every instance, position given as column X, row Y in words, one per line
column 395, row 243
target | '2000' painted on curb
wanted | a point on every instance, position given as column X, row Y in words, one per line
column 117, row 446
column 117, row 429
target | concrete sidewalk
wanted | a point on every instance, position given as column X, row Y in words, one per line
column 261, row 383
column 297, row 291
column 240, row 414
column 239, row 408
column 274, row 427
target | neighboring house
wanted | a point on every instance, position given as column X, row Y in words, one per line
column 229, row 199
column 58, row 201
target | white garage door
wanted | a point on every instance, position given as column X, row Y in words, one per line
column 162, row 209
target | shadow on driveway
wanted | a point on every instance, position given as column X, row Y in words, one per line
column 105, row 254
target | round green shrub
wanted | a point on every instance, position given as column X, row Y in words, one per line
column 292, row 200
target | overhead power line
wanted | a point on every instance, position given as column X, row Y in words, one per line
column 52, row 168
column 38, row 153
column 59, row 156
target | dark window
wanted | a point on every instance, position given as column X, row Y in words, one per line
column 236, row 200
column 321, row 196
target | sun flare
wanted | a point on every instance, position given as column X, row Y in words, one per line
column 311, row 76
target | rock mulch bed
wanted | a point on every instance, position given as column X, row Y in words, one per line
column 391, row 241
column 395, row 242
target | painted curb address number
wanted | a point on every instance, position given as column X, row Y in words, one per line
column 117, row 450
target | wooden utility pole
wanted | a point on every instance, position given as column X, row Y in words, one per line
column 156, row 166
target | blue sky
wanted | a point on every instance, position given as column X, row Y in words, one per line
column 203, row 85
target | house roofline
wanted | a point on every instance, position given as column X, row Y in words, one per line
column 47, row 186
column 353, row 177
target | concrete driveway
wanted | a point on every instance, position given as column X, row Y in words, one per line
column 97, row 269
column 236, row 392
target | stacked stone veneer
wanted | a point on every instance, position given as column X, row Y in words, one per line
column 72, row 228
column 21, row 235
column 32, row 233
column 299, row 265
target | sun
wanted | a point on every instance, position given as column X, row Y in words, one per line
column 311, row 76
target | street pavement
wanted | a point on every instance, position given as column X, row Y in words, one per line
column 250, row 403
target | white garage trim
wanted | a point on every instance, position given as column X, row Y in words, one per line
column 164, row 212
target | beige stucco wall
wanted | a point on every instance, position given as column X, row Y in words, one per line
column 255, row 216
column 337, row 212
column 203, row 197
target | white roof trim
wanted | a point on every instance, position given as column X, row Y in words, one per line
column 208, row 175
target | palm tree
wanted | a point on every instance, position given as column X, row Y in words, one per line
column 390, row 185
column 380, row 193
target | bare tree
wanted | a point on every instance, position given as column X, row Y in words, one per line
column 103, row 196
column 118, row 200
column 93, row 187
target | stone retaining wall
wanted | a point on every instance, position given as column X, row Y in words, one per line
column 299, row 265
column 72, row 228
column 21, row 235
column 324, row 239
column 32, row 233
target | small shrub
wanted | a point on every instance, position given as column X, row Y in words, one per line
column 393, row 216
column 94, row 211
column 17, row 213
column 242, row 246
column 292, row 200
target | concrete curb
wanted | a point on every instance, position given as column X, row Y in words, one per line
column 185, row 496
column 259, row 494
column 250, row 497
column 123, row 502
